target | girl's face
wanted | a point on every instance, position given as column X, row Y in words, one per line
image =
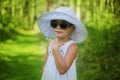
column 62, row 28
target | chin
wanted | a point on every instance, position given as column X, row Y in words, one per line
column 60, row 36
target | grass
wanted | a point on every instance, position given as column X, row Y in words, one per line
column 22, row 58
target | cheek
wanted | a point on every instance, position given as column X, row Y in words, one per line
column 67, row 32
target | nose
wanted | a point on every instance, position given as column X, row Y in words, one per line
column 58, row 27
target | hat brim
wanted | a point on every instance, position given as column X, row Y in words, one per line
column 79, row 34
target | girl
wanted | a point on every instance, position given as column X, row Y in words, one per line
column 66, row 30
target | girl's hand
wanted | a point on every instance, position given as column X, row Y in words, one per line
column 56, row 45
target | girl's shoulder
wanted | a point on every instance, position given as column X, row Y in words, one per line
column 73, row 46
column 71, row 43
column 50, row 43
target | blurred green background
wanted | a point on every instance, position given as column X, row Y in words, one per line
column 22, row 46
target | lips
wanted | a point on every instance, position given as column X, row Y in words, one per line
column 58, row 31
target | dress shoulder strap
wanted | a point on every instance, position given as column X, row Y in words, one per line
column 50, row 43
column 69, row 43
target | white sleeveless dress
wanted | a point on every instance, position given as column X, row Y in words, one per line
column 50, row 70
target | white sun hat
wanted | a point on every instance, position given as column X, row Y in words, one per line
column 62, row 13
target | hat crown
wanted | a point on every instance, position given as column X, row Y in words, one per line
column 67, row 11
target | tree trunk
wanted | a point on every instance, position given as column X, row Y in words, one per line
column 49, row 4
column 75, row 5
column 116, row 5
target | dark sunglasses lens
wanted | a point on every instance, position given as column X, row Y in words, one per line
column 53, row 23
column 64, row 25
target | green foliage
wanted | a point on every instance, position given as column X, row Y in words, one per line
column 18, row 14
column 22, row 53
column 22, row 58
column 99, row 54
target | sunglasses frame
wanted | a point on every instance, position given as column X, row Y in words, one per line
column 59, row 22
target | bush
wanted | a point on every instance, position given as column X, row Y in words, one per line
column 99, row 54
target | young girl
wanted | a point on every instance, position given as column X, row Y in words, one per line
column 66, row 30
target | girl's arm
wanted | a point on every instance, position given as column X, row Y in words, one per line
column 64, row 65
column 46, row 57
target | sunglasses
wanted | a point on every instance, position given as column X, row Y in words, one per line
column 62, row 24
